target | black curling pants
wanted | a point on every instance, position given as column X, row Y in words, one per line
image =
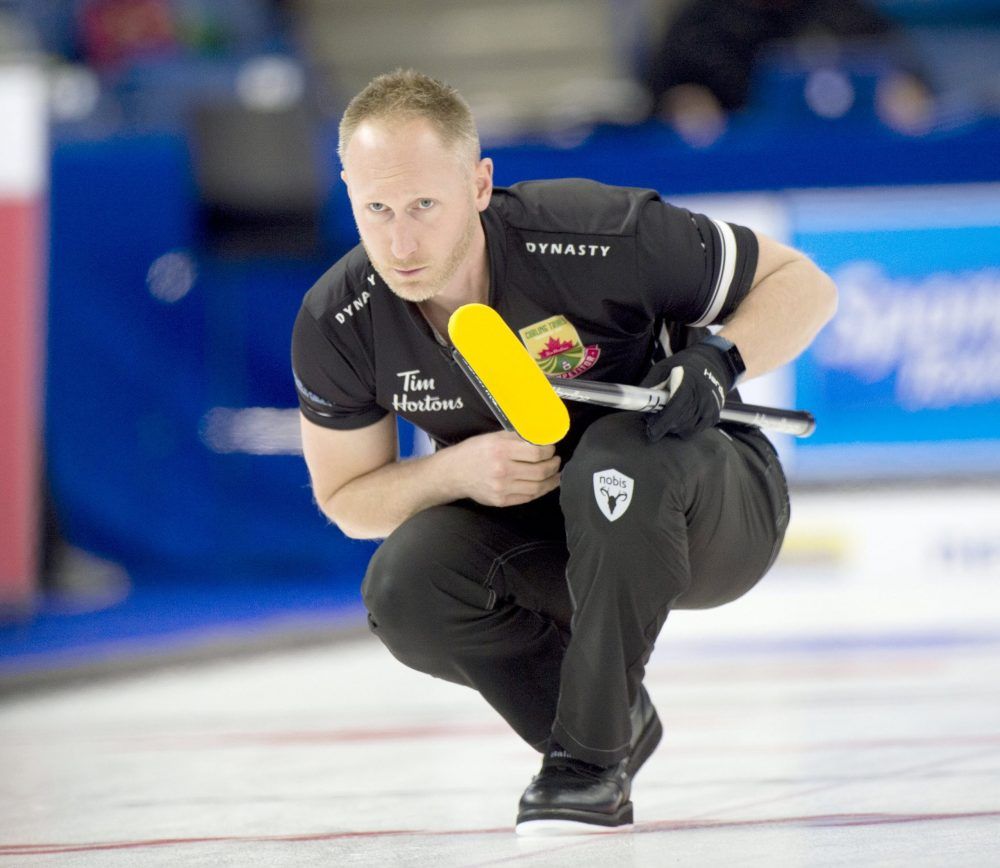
column 551, row 609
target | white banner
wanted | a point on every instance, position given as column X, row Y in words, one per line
column 23, row 131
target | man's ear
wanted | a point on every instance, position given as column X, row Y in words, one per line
column 343, row 177
column 483, row 180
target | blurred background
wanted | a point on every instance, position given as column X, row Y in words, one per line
column 169, row 190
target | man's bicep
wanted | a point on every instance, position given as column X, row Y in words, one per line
column 335, row 456
column 771, row 255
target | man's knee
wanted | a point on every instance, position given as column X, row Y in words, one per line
column 397, row 594
column 421, row 595
column 661, row 473
column 420, row 579
column 397, row 570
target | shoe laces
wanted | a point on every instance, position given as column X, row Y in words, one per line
column 560, row 759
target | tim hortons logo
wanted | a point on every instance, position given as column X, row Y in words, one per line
column 410, row 399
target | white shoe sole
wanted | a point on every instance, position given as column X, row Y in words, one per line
column 554, row 828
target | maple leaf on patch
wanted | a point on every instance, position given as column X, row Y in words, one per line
column 554, row 347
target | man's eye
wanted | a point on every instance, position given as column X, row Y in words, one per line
column 424, row 204
column 377, row 207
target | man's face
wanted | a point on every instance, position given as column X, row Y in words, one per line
column 416, row 203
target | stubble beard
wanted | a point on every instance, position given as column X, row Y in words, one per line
column 431, row 284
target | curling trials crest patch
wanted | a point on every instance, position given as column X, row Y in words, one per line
column 556, row 347
column 613, row 492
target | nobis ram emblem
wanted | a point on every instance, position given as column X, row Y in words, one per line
column 613, row 492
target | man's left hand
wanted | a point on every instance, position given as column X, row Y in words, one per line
column 697, row 401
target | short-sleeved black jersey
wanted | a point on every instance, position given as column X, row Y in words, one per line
column 593, row 278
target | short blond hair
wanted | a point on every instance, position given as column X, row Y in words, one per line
column 407, row 95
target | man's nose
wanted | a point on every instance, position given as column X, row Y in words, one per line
column 403, row 239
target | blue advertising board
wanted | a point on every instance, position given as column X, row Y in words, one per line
column 906, row 378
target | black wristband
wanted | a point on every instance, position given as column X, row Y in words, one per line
column 731, row 355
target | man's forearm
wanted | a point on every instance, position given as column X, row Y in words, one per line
column 781, row 315
column 495, row 469
column 374, row 505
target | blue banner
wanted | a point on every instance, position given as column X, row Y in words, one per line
column 912, row 358
column 171, row 420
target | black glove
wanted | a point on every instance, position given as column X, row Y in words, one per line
column 697, row 399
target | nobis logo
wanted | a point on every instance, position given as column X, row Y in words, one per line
column 613, row 492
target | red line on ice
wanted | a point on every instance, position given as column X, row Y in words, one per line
column 655, row 826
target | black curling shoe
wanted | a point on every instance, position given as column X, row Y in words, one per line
column 570, row 796
column 646, row 732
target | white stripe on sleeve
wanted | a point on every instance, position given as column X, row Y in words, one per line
column 727, row 268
